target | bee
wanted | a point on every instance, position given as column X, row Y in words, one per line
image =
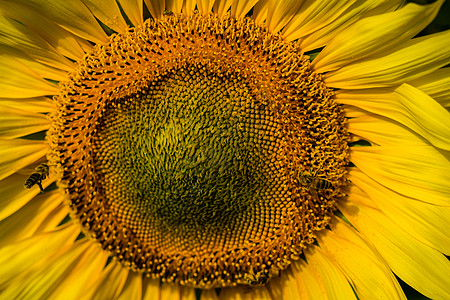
column 167, row 13
column 314, row 182
column 40, row 173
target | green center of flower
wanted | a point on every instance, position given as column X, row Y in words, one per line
column 191, row 155
column 200, row 150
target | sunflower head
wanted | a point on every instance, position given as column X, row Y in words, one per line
column 181, row 145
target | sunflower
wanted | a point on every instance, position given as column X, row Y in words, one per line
column 223, row 150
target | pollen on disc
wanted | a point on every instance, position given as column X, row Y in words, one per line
column 181, row 142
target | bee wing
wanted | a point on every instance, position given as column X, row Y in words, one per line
column 26, row 171
column 30, row 169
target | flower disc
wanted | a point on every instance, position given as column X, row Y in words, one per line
column 199, row 149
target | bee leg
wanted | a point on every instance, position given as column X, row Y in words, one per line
column 314, row 193
column 39, row 183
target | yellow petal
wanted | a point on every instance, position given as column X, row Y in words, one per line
column 426, row 222
column 436, row 85
column 151, row 288
column 40, row 282
column 174, row 5
column 30, row 218
column 55, row 217
column 14, row 195
column 108, row 13
column 300, row 282
column 321, row 35
column 109, row 284
column 186, row 293
column 296, row 282
column 314, row 15
column 209, row 294
column 244, row 293
column 133, row 287
column 71, row 15
column 16, row 258
column 155, row 7
column 134, row 9
column 40, row 70
column 222, row 6
column 280, row 13
column 19, row 81
column 155, row 289
column 20, row 37
column 408, row 106
column 420, row 266
column 63, row 41
column 37, row 105
column 169, row 291
column 205, row 6
column 16, row 122
column 416, row 58
column 87, row 267
column 260, row 12
column 377, row 34
column 16, row 154
column 189, row 7
column 381, row 131
column 363, row 265
column 329, row 272
column 414, row 171
column 240, row 8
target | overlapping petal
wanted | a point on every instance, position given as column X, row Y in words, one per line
column 240, row 8
column 35, row 105
column 155, row 289
column 222, row 6
column 205, row 6
column 84, row 267
column 416, row 58
column 16, row 122
column 43, row 213
column 109, row 284
column 377, row 34
column 17, row 80
column 436, row 85
column 133, row 287
column 362, row 265
column 107, row 11
column 415, row 171
column 19, row 36
column 34, row 252
column 46, row 279
column 312, row 16
column 39, row 70
column 380, row 130
column 174, row 5
column 426, row 222
column 156, row 7
column 14, row 195
column 408, row 106
column 134, row 9
column 335, row 281
column 16, row 154
column 409, row 258
column 63, row 41
column 281, row 12
column 322, row 35
column 71, row 15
